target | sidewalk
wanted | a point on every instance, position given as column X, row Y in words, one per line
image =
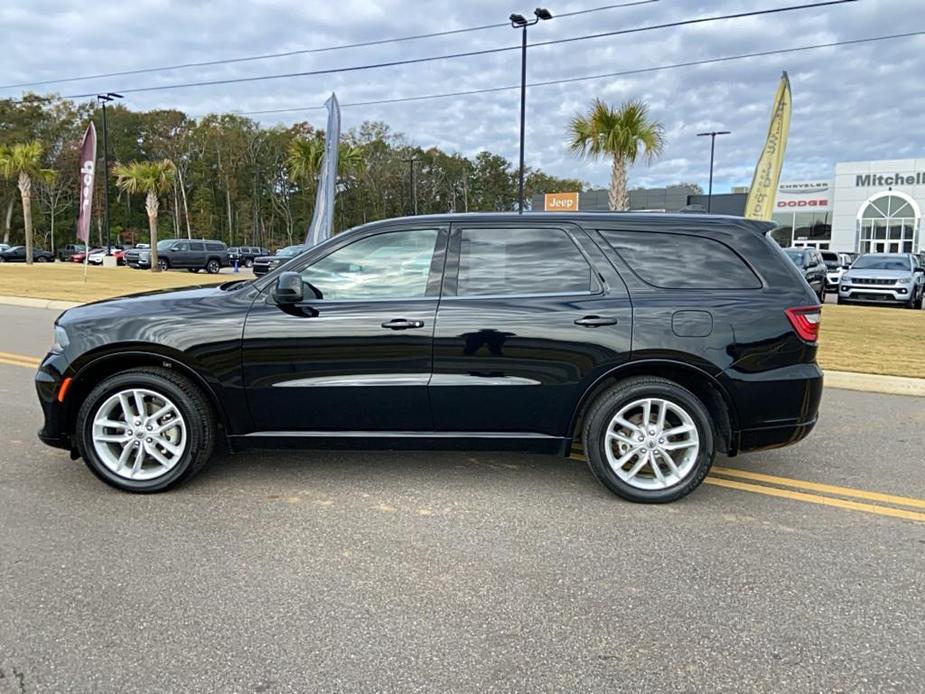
column 846, row 380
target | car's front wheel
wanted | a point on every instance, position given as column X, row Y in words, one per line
column 649, row 440
column 145, row 430
column 163, row 264
column 249, row 262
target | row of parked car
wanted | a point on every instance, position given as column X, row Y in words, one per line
column 872, row 278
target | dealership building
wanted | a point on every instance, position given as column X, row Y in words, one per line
column 868, row 207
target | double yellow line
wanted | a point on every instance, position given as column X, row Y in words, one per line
column 742, row 480
column 817, row 493
column 19, row 360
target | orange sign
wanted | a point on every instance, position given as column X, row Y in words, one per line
column 561, row 202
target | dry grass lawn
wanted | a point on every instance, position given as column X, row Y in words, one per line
column 875, row 340
column 867, row 339
column 64, row 281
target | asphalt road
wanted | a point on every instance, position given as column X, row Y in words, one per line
column 437, row 572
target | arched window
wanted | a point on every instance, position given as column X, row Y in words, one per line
column 887, row 225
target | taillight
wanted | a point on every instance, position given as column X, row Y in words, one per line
column 805, row 321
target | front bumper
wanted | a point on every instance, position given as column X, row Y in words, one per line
column 48, row 378
column 876, row 294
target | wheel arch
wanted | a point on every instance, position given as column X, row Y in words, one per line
column 102, row 365
column 705, row 386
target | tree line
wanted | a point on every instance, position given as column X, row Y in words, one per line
column 229, row 177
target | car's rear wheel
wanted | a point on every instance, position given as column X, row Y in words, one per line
column 213, row 266
column 2, row 259
column 145, row 430
column 649, row 440
column 41, row 259
column 249, row 262
column 193, row 269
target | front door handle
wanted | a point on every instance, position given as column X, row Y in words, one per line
column 596, row 321
column 402, row 324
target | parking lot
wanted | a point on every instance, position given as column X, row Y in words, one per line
column 792, row 570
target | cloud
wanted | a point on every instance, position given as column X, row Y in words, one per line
column 850, row 103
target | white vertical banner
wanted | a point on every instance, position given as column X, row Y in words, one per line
column 322, row 224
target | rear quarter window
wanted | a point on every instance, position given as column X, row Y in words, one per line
column 215, row 246
column 681, row 261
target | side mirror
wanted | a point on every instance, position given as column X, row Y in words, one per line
column 288, row 288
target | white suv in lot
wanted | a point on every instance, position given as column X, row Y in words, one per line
column 890, row 278
column 835, row 266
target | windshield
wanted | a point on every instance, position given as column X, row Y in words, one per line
column 290, row 251
column 164, row 245
column 882, row 262
column 796, row 256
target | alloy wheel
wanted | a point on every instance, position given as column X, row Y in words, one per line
column 652, row 444
column 139, row 434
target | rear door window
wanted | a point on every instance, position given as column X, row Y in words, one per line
column 681, row 261
column 197, row 246
column 520, row 262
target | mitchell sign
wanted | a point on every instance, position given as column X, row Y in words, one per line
column 871, row 180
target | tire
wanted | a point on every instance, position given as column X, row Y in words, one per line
column 213, row 266
column 163, row 264
column 193, row 435
column 842, row 301
column 2, row 259
column 693, row 450
column 249, row 263
column 41, row 259
column 193, row 269
column 919, row 302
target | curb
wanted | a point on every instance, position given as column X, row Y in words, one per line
column 844, row 380
column 875, row 383
column 28, row 302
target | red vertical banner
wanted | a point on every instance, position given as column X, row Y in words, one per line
column 87, row 175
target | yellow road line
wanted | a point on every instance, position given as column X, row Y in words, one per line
column 814, row 499
column 20, row 362
column 21, row 357
column 817, row 487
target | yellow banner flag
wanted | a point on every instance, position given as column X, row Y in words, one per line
column 760, row 203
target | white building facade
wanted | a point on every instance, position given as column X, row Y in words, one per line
column 869, row 207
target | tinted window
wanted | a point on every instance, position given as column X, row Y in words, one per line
column 392, row 265
column 215, row 246
column 517, row 262
column 197, row 246
column 182, row 246
column 680, row 261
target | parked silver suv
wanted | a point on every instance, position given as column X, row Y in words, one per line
column 892, row 278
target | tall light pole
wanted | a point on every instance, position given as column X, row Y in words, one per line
column 413, row 191
column 712, row 135
column 104, row 99
column 518, row 21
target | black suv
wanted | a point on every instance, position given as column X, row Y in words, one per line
column 491, row 331
column 182, row 254
column 245, row 254
column 812, row 265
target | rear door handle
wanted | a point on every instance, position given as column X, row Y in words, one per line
column 596, row 321
column 402, row 324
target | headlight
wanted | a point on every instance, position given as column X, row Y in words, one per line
column 60, row 341
column 904, row 280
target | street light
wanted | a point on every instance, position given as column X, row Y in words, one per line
column 712, row 135
column 104, row 99
column 518, row 21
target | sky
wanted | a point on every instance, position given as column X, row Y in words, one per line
column 856, row 102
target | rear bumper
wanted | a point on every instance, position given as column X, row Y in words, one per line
column 776, row 408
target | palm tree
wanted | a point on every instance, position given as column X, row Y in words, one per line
column 304, row 159
column 23, row 161
column 153, row 178
column 622, row 133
